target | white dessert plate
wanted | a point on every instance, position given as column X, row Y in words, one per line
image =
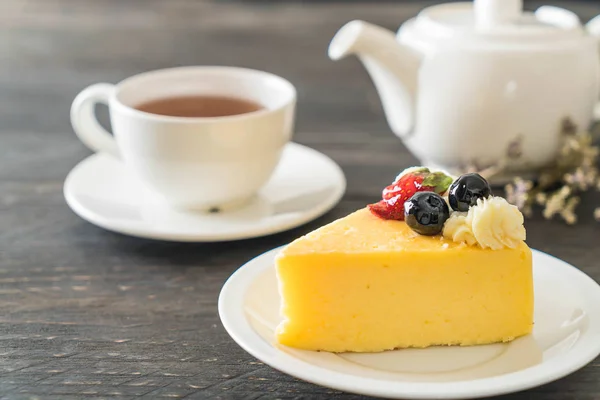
column 305, row 185
column 566, row 337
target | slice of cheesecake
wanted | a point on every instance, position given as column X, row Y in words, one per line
column 365, row 284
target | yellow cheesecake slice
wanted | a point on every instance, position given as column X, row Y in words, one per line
column 365, row 284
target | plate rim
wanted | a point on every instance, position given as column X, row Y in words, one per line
column 141, row 232
column 231, row 312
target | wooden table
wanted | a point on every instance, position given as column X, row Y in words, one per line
column 85, row 312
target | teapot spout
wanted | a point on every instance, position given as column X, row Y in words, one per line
column 393, row 67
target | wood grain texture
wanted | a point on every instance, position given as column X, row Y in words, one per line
column 86, row 313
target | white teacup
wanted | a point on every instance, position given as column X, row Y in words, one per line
column 195, row 163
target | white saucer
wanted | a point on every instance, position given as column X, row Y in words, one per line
column 565, row 338
column 305, row 185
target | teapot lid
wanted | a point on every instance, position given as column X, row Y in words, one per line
column 504, row 18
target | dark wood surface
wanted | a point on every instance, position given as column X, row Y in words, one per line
column 85, row 313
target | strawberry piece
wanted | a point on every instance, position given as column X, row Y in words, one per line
column 385, row 210
column 406, row 186
column 409, row 182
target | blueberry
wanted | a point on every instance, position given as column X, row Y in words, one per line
column 465, row 191
column 426, row 212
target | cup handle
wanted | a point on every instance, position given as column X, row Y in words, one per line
column 597, row 112
column 84, row 122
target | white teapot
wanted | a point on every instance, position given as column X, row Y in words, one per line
column 462, row 81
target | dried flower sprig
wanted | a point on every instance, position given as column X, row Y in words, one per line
column 519, row 194
column 558, row 187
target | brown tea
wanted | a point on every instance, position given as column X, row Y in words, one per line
column 199, row 106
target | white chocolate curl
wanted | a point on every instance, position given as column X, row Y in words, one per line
column 491, row 223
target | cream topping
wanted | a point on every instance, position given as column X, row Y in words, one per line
column 491, row 223
column 458, row 228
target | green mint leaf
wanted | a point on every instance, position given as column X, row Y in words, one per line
column 439, row 181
